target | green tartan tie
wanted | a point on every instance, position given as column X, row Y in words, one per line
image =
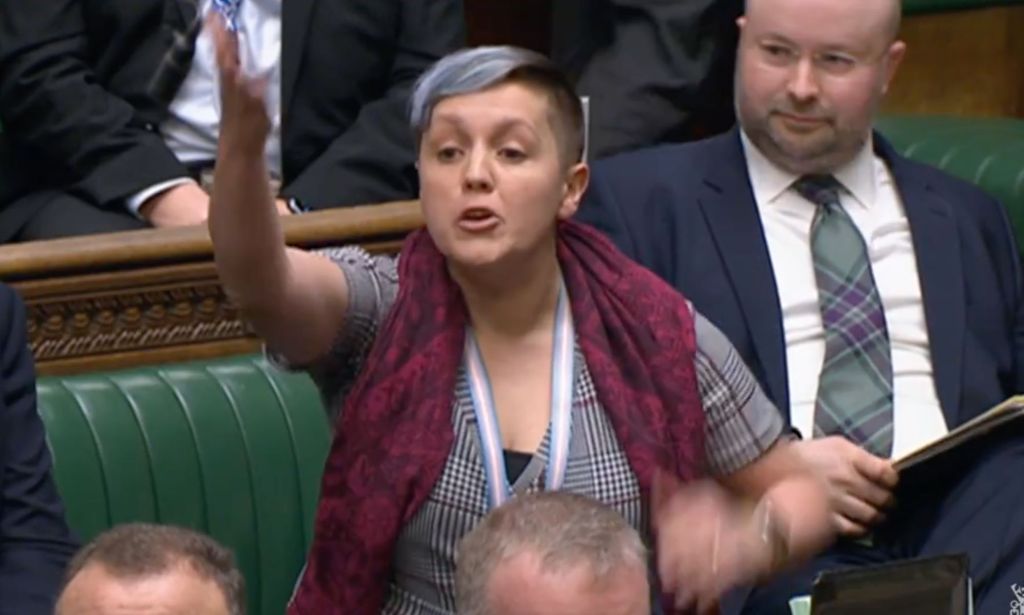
column 855, row 384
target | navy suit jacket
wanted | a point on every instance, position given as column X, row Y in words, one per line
column 688, row 213
column 35, row 543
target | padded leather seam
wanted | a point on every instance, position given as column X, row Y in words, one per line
column 146, row 440
column 195, row 445
column 81, row 406
column 281, row 405
column 257, row 544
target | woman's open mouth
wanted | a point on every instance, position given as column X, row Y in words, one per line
column 478, row 220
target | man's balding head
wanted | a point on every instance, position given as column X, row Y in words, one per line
column 886, row 14
column 177, row 590
column 810, row 76
column 893, row 19
column 575, row 555
column 152, row 569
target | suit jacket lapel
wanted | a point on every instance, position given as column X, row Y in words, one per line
column 186, row 11
column 731, row 213
column 940, row 270
column 295, row 19
column 178, row 19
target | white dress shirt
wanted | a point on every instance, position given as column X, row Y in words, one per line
column 193, row 122
column 872, row 201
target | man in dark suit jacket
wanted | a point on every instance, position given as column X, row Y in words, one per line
column 35, row 543
column 88, row 146
column 654, row 71
column 747, row 224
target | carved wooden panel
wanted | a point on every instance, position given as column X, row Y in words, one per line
column 160, row 308
column 146, row 297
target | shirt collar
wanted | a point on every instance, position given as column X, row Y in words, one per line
column 769, row 182
column 858, row 176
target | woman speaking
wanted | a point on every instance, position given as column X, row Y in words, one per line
column 508, row 350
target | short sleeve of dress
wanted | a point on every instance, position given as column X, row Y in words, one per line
column 372, row 285
column 741, row 422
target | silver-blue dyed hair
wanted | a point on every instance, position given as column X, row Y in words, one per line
column 479, row 68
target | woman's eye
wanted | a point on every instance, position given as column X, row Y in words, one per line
column 448, row 154
column 512, row 154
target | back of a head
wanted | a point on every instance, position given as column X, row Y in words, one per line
column 563, row 531
column 137, row 552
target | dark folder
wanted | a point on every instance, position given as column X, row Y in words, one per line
column 929, row 586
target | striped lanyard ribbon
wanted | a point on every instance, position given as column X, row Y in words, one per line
column 228, row 9
column 562, row 376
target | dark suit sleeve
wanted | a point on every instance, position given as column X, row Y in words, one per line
column 636, row 199
column 1014, row 283
column 600, row 208
column 53, row 107
column 1018, row 332
column 667, row 65
column 35, row 543
column 374, row 159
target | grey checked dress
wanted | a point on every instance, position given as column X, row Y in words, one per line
column 741, row 425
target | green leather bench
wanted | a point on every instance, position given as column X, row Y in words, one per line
column 988, row 152
column 233, row 448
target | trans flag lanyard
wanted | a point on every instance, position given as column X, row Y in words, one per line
column 562, row 375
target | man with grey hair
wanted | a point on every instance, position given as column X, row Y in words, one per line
column 140, row 567
column 878, row 300
column 552, row 552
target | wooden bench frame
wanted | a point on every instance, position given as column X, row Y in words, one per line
column 966, row 62
column 144, row 297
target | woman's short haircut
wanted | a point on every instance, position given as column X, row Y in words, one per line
column 481, row 68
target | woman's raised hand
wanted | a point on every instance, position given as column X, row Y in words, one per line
column 244, row 123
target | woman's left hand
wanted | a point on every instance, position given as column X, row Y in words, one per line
column 706, row 542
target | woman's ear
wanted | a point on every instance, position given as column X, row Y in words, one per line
column 576, row 180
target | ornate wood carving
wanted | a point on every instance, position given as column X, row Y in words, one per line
column 145, row 297
column 132, row 319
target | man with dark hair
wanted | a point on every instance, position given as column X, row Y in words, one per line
column 575, row 555
column 137, row 566
column 35, row 542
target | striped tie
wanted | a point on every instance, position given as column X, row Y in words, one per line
column 855, row 385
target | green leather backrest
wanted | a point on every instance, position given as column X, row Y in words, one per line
column 988, row 152
column 232, row 447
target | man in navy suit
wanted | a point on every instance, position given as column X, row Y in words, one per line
column 877, row 300
column 35, row 543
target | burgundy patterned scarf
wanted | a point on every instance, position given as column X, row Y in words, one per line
column 395, row 432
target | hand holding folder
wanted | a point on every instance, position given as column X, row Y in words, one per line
column 951, row 450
